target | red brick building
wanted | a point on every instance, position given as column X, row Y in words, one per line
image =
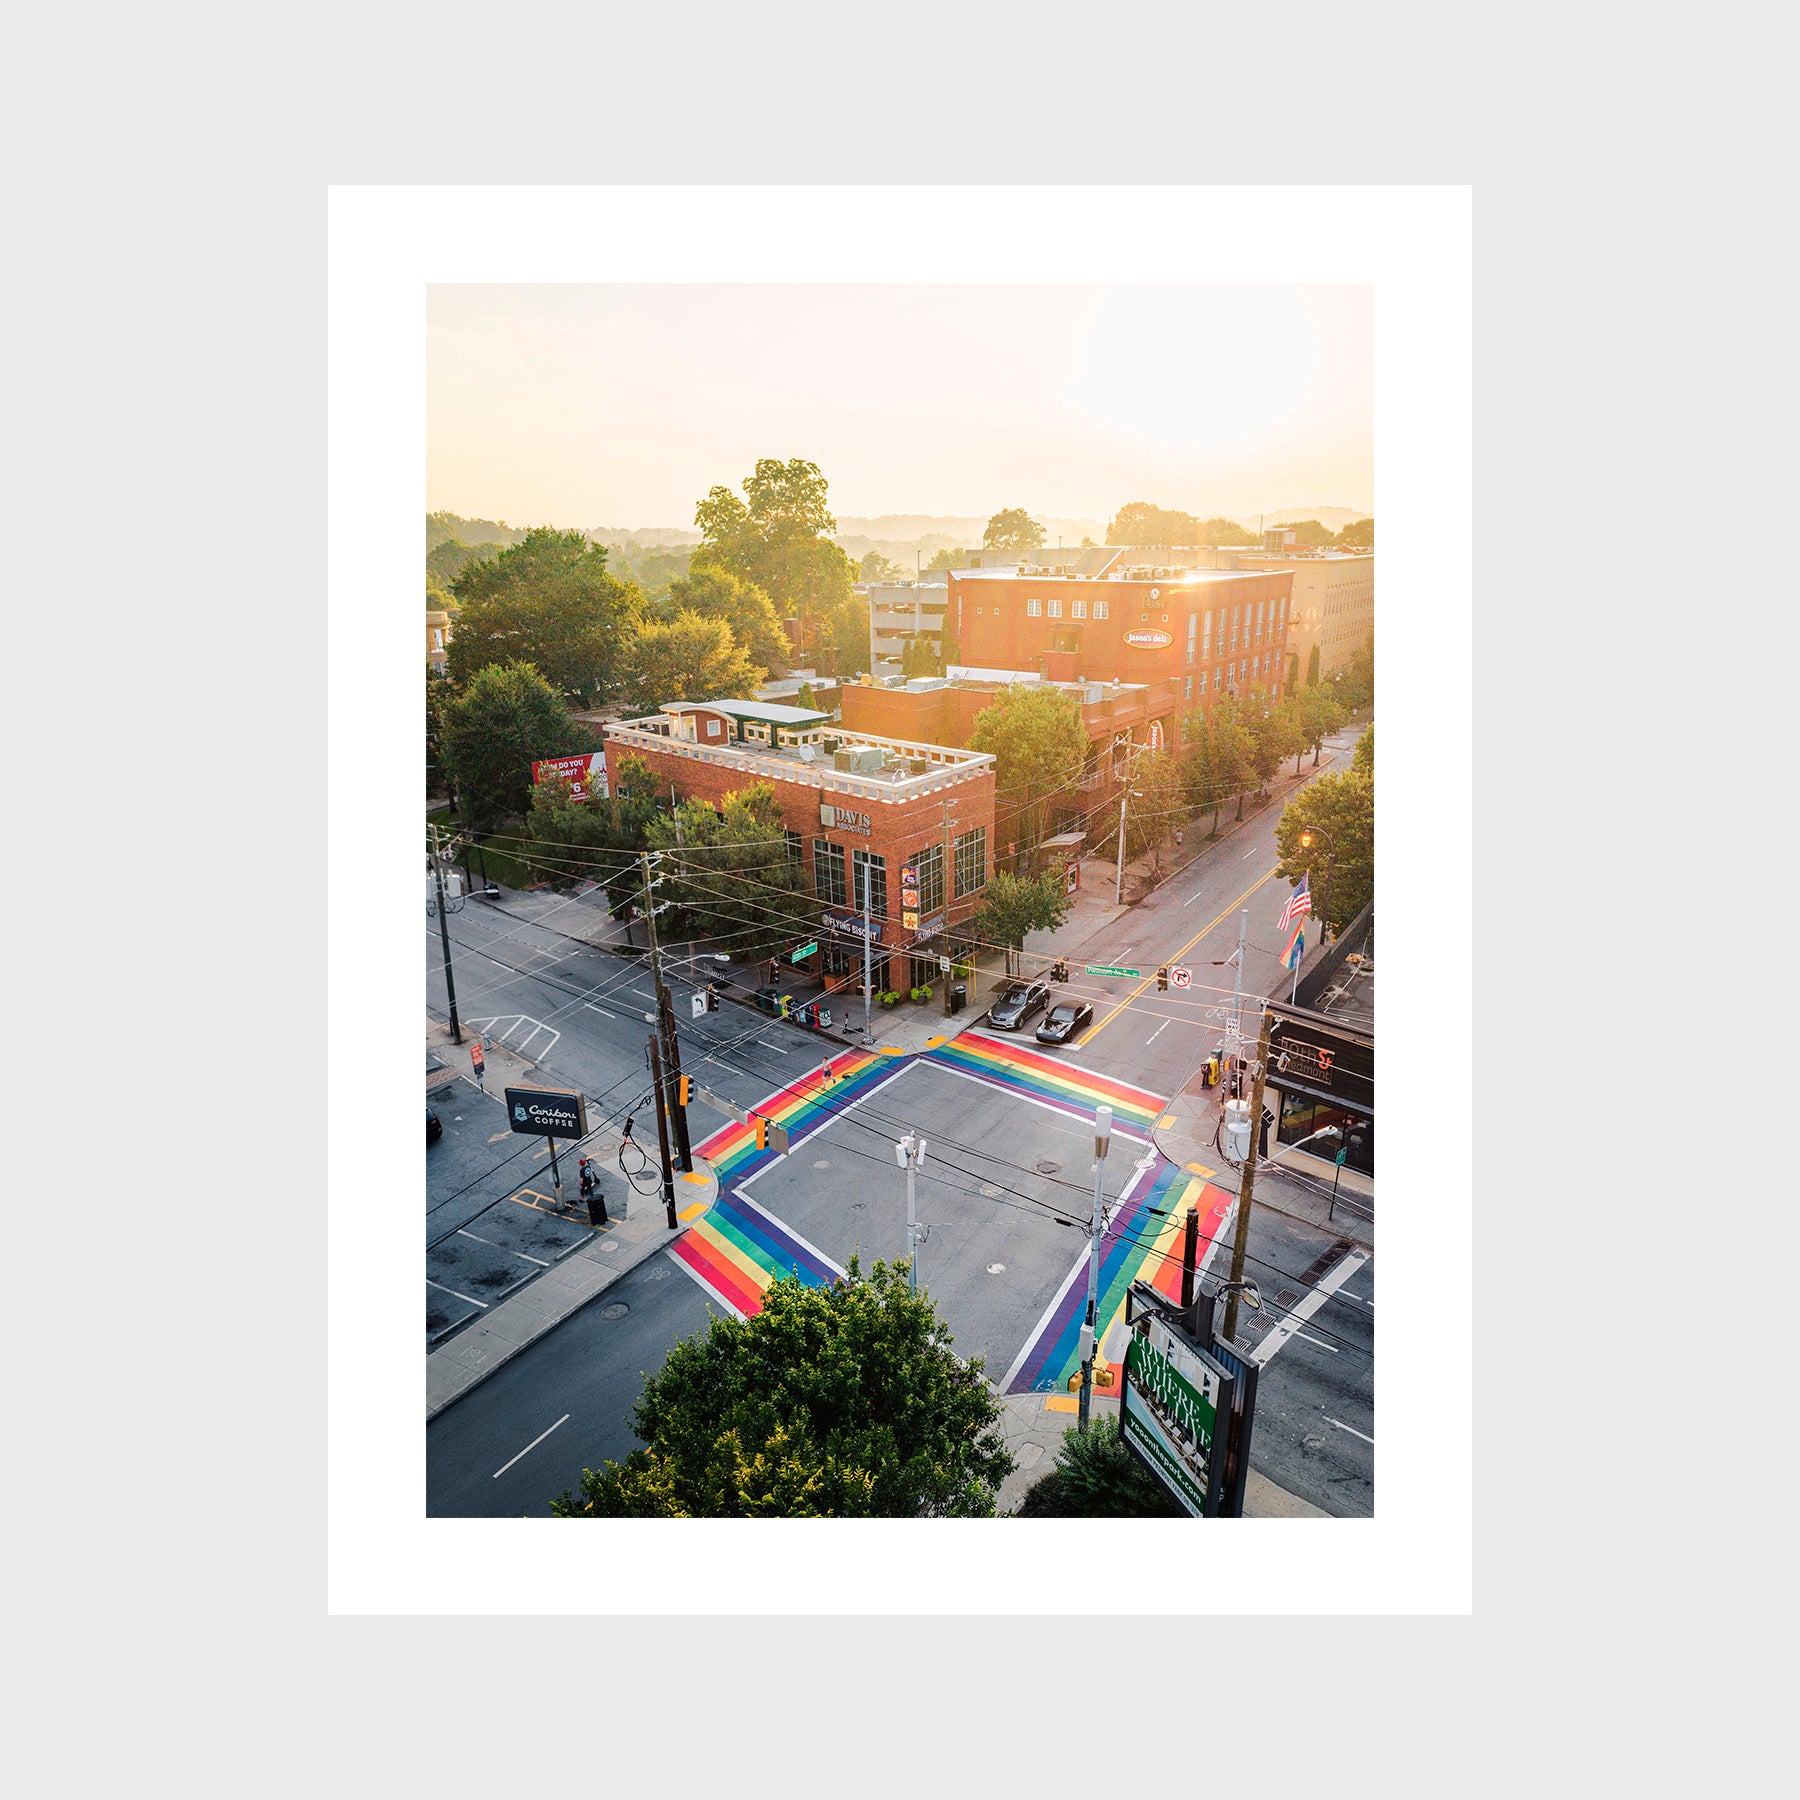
column 1212, row 631
column 860, row 811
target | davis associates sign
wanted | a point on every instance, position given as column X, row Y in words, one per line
column 546, row 1112
column 1175, row 1399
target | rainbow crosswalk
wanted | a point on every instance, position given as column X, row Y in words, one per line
column 735, row 1249
column 1069, row 1089
column 1140, row 1246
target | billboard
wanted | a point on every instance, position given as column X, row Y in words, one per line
column 546, row 1112
column 586, row 775
column 1175, row 1400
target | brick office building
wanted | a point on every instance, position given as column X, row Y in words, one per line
column 1213, row 631
column 860, row 811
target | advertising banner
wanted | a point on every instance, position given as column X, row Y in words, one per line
column 546, row 1112
column 1172, row 1399
column 586, row 775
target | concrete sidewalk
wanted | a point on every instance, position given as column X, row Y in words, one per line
column 638, row 1228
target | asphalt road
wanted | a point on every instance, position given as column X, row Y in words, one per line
column 488, row 1455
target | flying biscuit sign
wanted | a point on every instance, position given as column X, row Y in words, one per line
column 1148, row 640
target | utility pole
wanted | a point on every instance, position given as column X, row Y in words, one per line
column 947, row 874
column 1190, row 1256
column 868, row 953
column 665, row 1023
column 910, row 1153
column 1241, row 1239
column 1237, row 1001
column 437, row 870
column 1096, row 1230
column 1119, row 885
column 662, row 1133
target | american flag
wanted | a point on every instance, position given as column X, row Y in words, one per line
column 1299, row 903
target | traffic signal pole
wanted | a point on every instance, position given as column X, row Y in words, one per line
column 662, row 1132
column 437, row 869
column 1240, row 1242
column 665, row 1024
column 1096, row 1230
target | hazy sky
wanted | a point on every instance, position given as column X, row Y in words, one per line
column 622, row 405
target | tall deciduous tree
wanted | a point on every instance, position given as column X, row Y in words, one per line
column 876, row 567
column 549, row 601
column 730, row 878
column 1320, row 716
column 1363, row 762
column 1013, row 529
column 947, row 559
column 1359, row 534
column 839, row 1402
column 1012, row 905
column 1340, row 862
column 506, row 718
column 1312, row 667
column 716, row 593
column 1037, row 741
column 687, row 658
column 1139, row 523
column 1158, row 803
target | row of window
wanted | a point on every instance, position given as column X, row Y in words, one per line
column 1078, row 609
column 1248, row 669
column 1268, row 616
column 867, row 870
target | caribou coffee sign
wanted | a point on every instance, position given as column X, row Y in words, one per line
column 1148, row 640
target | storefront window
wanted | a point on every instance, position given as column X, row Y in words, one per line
column 1301, row 1115
column 873, row 871
column 828, row 873
column 971, row 861
column 930, row 865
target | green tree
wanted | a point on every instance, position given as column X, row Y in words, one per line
column 729, row 877
column 550, row 601
column 776, row 538
column 716, row 593
column 1359, row 534
column 1363, row 762
column 1312, row 667
column 1139, row 523
column 1036, row 737
column 806, row 698
column 1226, row 531
column 1012, row 530
column 947, row 559
column 840, row 1402
column 686, row 658
column 506, row 717
column 1340, row 862
column 568, row 841
column 438, row 695
column 1320, row 715
column 1357, row 689
column 1157, row 805
column 1012, row 905
column 1096, row 1477
column 876, row 567
column 1221, row 758
column 636, row 804
column 842, row 635
column 1309, row 534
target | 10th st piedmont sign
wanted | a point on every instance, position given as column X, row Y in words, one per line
column 546, row 1112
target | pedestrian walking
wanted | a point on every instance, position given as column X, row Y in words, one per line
column 592, row 1195
column 478, row 1060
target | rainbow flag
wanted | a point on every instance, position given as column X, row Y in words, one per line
column 1294, row 949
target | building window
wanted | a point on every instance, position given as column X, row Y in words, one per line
column 1056, row 609
column 828, row 872
column 971, row 861
column 1193, row 636
column 1188, row 694
column 1218, row 678
column 796, row 846
column 1034, row 609
column 1234, row 625
column 1206, row 636
column 873, row 871
column 1101, row 609
column 930, row 867
column 1077, row 609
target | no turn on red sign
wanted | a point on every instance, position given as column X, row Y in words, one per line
column 1180, row 976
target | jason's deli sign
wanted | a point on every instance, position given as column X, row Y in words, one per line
column 1148, row 640
column 546, row 1112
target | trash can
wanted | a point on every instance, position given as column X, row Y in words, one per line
column 959, row 996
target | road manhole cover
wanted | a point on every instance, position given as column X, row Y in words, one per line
column 988, row 1190
column 609, row 1248
column 1048, row 1168
column 821, row 1165
column 617, row 1310
column 996, row 1268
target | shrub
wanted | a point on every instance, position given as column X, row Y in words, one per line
column 1096, row 1477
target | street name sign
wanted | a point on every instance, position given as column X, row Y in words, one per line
column 804, row 951
column 1108, row 969
column 546, row 1112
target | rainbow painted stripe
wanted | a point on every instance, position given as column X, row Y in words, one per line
column 1069, row 1089
column 1139, row 1247
column 735, row 1249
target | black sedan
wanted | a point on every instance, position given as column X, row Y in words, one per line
column 1018, row 1003
column 1063, row 1020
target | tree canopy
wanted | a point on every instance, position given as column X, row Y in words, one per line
column 1012, row 905
column 1309, row 534
column 876, row 567
column 1340, row 863
column 1035, row 735
column 1138, row 524
column 686, row 658
column 1157, row 805
column 506, row 718
column 1364, row 759
column 1359, row 534
column 1013, row 529
column 716, row 593
column 947, row 559
column 550, row 601
column 839, row 1402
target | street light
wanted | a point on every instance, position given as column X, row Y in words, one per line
column 1306, row 843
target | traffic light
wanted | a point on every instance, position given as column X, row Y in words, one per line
column 1059, row 970
column 712, row 998
column 762, row 1130
column 1162, row 980
column 683, row 1087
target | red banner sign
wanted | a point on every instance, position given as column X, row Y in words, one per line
column 586, row 775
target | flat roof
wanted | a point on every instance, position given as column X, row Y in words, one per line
column 1175, row 579
column 763, row 711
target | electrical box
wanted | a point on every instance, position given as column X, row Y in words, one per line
column 1237, row 1129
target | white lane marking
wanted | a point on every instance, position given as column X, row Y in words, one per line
column 1151, row 1039
column 1308, row 1337
column 601, row 1010
column 1289, row 1326
column 531, row 1446
column 460, row 1232
column 642, row 995
column 1339, row 1423
column 780, row 1049
column 444, row 1290
column 1249, row 853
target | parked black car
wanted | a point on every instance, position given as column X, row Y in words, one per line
column 434, row 1126
column 1063, row 1020
column 1018, row 1003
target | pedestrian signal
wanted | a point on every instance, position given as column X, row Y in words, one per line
column 712, row 998
column 762, row 1130
column 1162, row 981
column 683, row 1087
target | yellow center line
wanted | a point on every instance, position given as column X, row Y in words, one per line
column 1095, row 1030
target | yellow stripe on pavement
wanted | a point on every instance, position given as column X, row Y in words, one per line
column 1095, row 1030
